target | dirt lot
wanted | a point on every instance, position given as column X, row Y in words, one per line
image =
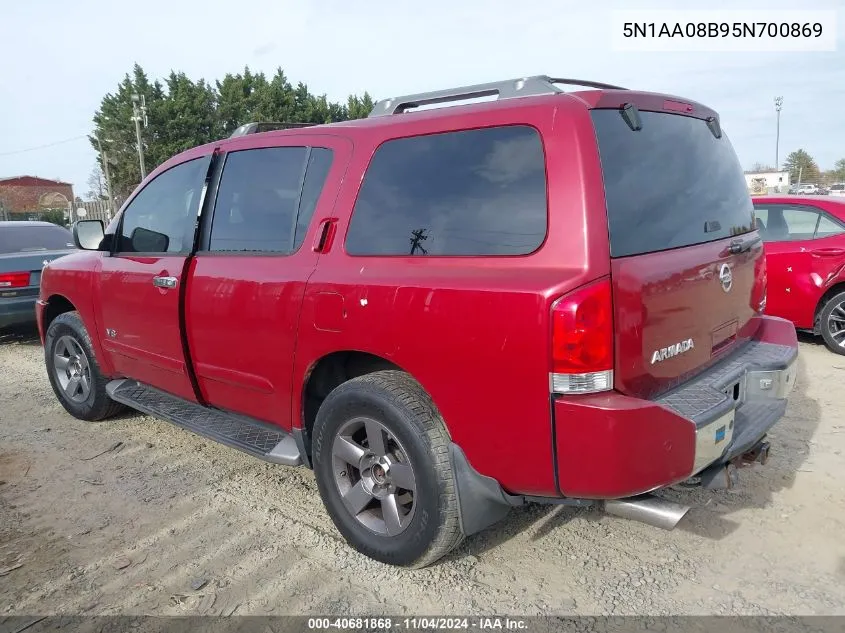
column 169, row 523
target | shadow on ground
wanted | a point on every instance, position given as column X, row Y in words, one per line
column 20, row 335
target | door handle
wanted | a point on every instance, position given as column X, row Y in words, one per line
column 829, row 252
column 165, row 282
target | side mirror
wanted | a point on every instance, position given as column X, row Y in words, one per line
column 88, row 234
column 147, row 241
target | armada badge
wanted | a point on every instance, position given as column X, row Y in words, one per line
column 663, row 353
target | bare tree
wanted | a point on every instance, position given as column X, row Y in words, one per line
column 96, row 184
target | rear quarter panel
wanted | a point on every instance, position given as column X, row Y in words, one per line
column 474, row 331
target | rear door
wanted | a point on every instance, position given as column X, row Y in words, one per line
column 248, row 278
column 788, row 232
column 139, row 284
column 686, row 262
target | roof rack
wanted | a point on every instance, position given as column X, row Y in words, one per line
column 255, row 128
column 508, row 89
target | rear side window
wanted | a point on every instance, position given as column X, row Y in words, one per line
column 27, row 239
column 473, row 192
column 827, row 227
column 670, row 184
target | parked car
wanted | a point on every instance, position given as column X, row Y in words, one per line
column 804, row 189
column 445, row 313
column 805, row 254
column 837, row 190
column 25, row 248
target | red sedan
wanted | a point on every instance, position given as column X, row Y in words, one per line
column 805, row 256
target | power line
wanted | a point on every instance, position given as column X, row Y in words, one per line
column 37, row 147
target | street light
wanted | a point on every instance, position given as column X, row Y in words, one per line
column 139, row 113
column 778, row 106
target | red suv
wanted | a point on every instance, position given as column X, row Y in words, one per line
column 553, row 297
column 805, row 254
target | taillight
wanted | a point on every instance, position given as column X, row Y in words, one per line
column 582, row 340
column 14, row 280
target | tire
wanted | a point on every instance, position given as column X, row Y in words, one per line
column 415, row 440
column 86, row 399
column 832, row 323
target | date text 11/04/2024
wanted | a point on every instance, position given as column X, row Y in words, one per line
column 722, row 29
column 418, row 624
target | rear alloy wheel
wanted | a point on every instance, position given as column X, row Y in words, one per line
column 832, row 323
column 73, row 370
column 381, row 460
column 373, row 476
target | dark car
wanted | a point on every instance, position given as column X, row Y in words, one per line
column 444, row 312
column 25, row 248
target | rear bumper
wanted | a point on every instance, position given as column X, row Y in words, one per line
column 612, row 446
column 17, row 311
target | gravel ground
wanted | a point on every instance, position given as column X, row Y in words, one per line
column 169, row 523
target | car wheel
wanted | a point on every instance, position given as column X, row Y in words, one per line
column 832, row 323
column 381, row 460
column 74, row 372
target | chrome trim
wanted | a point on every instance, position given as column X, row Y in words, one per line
column 771, row 385
column 708, row 446
column 726, row 277
column 165, row 282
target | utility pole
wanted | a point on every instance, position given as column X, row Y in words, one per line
column 105, row 160
column 778, row 106
column 139, row 114
column 418, row 236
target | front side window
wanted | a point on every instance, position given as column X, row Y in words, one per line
column 472, row 192
column 163, row 216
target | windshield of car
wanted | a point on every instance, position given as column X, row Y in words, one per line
column 28, row 238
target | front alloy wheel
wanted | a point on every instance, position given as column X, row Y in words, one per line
column 72, row 370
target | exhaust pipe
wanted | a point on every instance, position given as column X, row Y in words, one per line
column 647, row 508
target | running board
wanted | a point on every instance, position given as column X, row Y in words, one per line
column 260, row 440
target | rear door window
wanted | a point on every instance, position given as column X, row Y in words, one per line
column 670, row 184
column 784, row 223
column 257, row 201
column 828, row 227
column 471, row 192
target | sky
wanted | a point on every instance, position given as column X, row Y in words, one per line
column 59, row 58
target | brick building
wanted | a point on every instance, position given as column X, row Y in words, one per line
column 30, row 194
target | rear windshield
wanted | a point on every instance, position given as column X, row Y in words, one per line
column 670, row 184
column 19, row 239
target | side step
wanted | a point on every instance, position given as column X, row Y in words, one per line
column 260, row 440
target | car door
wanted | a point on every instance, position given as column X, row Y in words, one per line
column 828, row 252
column 788, row 232
column 139, row 284
column 248, row 278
